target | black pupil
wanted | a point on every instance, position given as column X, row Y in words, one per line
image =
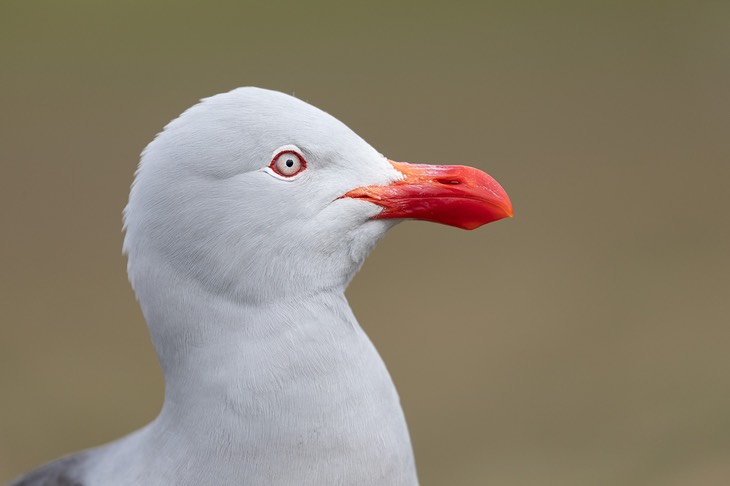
column 289, row 163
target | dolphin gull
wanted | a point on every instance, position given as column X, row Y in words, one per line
column 248, row 216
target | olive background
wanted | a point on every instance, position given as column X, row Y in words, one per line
column 584, row 342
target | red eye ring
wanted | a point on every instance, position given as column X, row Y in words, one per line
column 288, row 163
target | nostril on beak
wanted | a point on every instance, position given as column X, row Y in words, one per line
column 448, row 181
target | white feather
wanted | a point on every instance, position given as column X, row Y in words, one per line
column 241, row 278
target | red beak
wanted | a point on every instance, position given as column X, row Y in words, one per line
column 449, row 194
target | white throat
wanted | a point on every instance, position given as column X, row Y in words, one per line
column 295, row 383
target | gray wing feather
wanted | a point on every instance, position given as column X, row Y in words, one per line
column 62, row 472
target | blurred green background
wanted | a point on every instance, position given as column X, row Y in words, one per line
column 585, row 342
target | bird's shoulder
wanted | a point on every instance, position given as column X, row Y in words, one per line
column 66, row 471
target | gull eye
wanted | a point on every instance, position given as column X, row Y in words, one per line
column 288, row 164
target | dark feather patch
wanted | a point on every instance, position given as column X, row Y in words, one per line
column 63, row 472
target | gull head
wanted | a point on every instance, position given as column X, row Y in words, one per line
column 254, row 195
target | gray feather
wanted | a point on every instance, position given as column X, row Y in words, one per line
column 66, row 471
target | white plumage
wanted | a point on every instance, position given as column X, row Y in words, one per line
column 240, row 270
